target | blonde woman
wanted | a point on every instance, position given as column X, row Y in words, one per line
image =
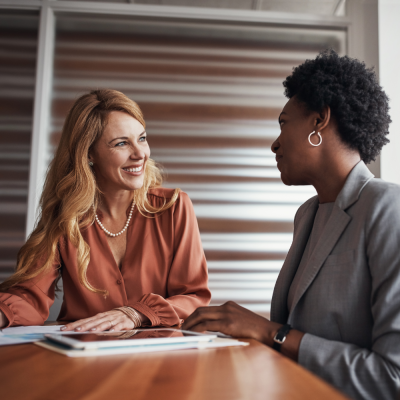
column 128, row 250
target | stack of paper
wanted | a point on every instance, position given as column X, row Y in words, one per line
column 18, row 335
column 215, row 343
column 26, row 334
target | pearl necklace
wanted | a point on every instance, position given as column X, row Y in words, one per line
column 125, row 227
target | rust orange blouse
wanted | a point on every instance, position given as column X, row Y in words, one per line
column 163, row 274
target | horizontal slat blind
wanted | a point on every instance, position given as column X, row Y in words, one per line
column 18, row 43
column 211, row 106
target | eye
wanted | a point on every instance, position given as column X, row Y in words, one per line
column 142, row 138
column 120, row 144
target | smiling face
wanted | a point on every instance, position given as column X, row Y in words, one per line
column 119, row 157
column 295, row 156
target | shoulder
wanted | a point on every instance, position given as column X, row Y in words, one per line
column 166, row 193
column 378, row 205
column 378, row 190
column 376, row 197
column 159, row 195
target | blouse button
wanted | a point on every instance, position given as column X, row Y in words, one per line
column 119, row 281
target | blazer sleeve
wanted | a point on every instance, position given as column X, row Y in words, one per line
column 372, row 373
column 187, row 284
column 29, row 302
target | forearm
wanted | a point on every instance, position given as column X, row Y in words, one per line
column 360, row 372
column 24, row 309
column 155, row 311
column 29, row 302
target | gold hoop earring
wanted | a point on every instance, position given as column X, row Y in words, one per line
column 320, row 139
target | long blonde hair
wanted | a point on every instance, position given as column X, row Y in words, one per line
column 70, row 189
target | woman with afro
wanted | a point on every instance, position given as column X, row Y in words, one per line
column 336, row 304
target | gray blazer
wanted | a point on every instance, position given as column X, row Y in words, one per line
column 348, row 301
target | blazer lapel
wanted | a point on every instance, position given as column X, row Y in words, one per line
column 356, row 181
column 336, row 225
column 279, row 309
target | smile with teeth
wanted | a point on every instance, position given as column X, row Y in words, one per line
column 138, row 169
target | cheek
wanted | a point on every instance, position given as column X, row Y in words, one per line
column 294, row 154
column 147, row 152
column 116, row 158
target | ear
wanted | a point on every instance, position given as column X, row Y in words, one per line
column 322, row 119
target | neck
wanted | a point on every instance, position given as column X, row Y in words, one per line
column 332, row 176
column 115, row 204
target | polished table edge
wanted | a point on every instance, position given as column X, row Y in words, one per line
column 283, row 361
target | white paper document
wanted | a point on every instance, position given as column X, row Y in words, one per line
column 23, row 330
column 26, row 334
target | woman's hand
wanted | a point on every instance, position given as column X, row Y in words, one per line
column 113, row 320
column 237, row 321
column 233, row 320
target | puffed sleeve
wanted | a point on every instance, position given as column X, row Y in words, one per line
column 29, row 302
column 187, row 284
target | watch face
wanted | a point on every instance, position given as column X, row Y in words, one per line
column 280, row 341
column 280, row 336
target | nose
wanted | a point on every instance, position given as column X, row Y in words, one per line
column 275, row 145
column 137, row 153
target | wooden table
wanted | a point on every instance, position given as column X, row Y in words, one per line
column 254, row 372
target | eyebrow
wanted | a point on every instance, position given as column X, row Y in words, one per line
column 125, row 137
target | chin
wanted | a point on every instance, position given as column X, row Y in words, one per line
column 286, row 179
column 132, row 185
column 293, row 181
column 136, row 187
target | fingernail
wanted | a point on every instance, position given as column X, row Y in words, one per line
column 63, row 328
column 78, row 328
column 93, row 329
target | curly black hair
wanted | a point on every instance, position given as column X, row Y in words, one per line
column 351, row 90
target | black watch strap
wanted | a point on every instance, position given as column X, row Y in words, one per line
column 280, row 336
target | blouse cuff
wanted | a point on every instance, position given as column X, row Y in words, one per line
column 148, row 312
column 8, row 314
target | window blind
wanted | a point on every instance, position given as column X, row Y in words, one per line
column 211, row 96
column 18, row 43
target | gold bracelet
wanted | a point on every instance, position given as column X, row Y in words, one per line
column 132, row 314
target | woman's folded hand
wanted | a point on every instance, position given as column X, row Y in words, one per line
column 113, row 320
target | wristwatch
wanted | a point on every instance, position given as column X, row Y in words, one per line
column 280, row 336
